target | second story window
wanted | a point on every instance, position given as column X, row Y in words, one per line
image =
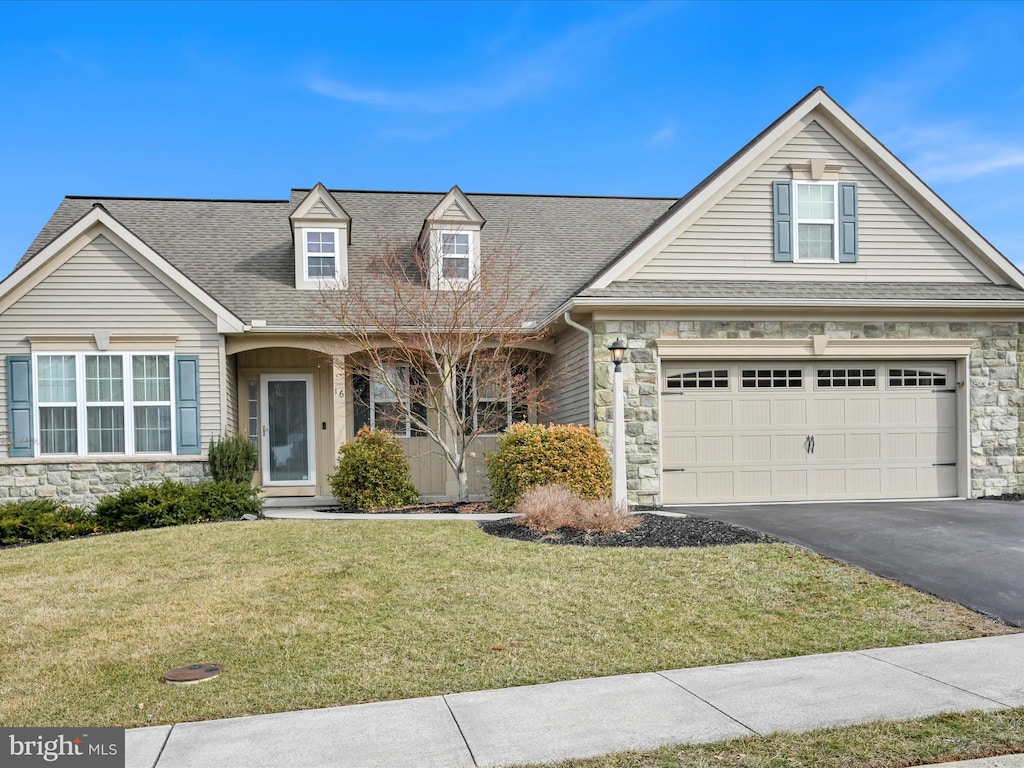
column 455, row 255
column 453, row 259
column 815, row 221
column 321, row 248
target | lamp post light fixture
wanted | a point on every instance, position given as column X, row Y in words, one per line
column 617, row 349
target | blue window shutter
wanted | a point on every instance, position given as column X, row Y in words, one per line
column 782, row 198
column 847, row 222
column 19, row 405
column 190, row 441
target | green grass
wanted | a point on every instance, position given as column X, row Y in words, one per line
column 312, row 614
column 889, row 744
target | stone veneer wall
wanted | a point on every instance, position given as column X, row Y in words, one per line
column 996, row 395
column 86, row 482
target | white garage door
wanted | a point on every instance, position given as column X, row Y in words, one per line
column 776, row 431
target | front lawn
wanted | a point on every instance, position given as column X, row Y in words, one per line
column 320, row 613
column 886, row 744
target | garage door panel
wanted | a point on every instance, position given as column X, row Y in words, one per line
column 788, row 412
column 754, row 484
column 716, row 449
column 754, row 448
column 754, row 413
column 789, row 447
column 901, row 410
column 864, row 447
column 679, row 414
column 680, row 451
column 791, row 483
column 877, row 436
column 899, row 446
column 715, row 414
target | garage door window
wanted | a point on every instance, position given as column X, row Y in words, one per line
column 915, row 377
column 772, row 378
column 830, row 378
column 710, row 379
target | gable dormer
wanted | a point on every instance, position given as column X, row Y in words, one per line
column 451, row 240
column 321, row 230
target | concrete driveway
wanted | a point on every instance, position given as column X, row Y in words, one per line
column 970, row 552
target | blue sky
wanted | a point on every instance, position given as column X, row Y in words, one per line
column 246, row 100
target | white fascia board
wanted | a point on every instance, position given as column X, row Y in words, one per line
column 102, row 222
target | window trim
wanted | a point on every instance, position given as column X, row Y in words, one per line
column 81, row 404
column 797, row 221
column 404, row 398
column 437, row 279
column 306, row 231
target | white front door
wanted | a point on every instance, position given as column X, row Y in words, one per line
column 287, row 437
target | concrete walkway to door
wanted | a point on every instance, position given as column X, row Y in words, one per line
column 970, row 552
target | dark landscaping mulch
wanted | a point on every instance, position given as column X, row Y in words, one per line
column 654, row 531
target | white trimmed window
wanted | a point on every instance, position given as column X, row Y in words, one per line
column 103, row 403
column 454, row 263
column 815, row 221
column 320, row 247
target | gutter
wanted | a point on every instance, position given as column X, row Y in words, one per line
column 590, row 364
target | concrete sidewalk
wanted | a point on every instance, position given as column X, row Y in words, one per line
column 580, row 718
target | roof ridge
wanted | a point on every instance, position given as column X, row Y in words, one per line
column 178, row 199
column 492, row 194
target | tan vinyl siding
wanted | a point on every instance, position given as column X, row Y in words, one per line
column 100, row 288
column 319, row 210
column 231, row 394
column 734, row 238
column 570, row 396
column 454, row 212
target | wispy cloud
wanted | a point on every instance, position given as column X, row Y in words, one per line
column 662, row 137
column 529, row 75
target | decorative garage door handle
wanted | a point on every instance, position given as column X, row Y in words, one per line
column 809, row 444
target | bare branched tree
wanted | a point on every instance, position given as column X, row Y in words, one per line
column 448, row 344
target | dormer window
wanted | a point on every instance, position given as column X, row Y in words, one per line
column 451, row 239
column 454, row 255
column 321, row 232
column 321, row 254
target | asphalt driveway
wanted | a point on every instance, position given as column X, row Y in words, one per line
column 970, row 552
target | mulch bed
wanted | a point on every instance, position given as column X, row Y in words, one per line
column 654, row 531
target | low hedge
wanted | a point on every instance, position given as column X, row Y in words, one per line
column 532, row 455
column 170, row 502
column 39, row 520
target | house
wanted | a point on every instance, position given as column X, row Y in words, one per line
column 809, row 322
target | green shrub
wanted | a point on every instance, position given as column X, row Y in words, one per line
column 39, row 520
column 233, row 458
column 173, row 503
column 372, row 472
column 530, row 455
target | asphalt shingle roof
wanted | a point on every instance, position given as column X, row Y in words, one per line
column 241, row 252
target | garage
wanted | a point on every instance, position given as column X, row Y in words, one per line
column 777, row 430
